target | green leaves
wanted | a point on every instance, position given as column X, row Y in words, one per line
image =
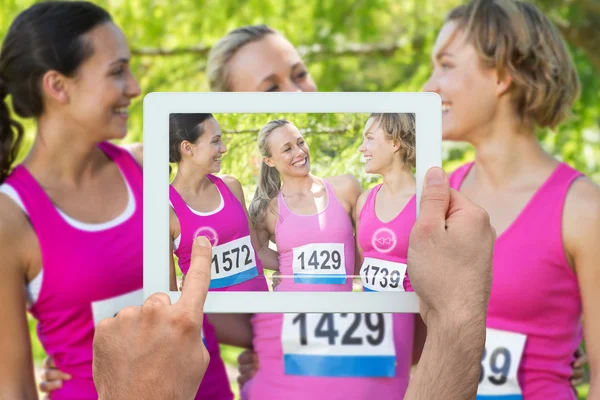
column 362, row 45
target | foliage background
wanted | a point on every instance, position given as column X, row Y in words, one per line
column 348, row 45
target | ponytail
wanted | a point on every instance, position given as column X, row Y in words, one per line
column 269, row 183
column 11, row 135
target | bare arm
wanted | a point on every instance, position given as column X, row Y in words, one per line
column 581, row 231
column 174, row 232
column 260, row 239
column 233, row 329
column 450, row 262
column 449, row 366
column 16, row 369
column 419, row 337
column 358, row 259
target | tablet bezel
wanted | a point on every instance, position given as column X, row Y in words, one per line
column 158, row 106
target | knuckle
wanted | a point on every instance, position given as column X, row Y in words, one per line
column 185, row 323
column 125, row 314
column 434, row 195
column 423, row 229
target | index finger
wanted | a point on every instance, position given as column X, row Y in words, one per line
column 197, row 281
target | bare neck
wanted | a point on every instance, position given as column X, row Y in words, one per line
column 398, row 180
column 190, row 179
column 298, row 185
column 63, row 153
column 504, row 152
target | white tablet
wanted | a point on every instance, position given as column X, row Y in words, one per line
column 263, row 107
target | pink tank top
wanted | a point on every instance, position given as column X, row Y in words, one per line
column 385, row 249
column 79, row 269
column 385, row 241
column 235, row 263
column 534, row 314
column 316, row 252
column 315, row 356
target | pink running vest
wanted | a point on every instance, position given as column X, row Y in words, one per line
column 304, row 267
column 80, row 267
column 385, row 249
column 286, row 370
column 235, row 263
column 385, row 241
column 535, row 305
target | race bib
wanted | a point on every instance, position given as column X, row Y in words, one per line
column 339, row 345
column 110, row 307
column 499, row 366
column 319, row 263
column 233, row 263
column 382, row 276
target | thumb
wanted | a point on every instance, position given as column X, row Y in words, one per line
column 435, row 199
column 197, row 281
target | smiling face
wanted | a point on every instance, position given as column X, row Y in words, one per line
column 102, row 90
column 206, row 152
column 378, row 148
column 270, row 64
column 469, row 91
column 289, row 153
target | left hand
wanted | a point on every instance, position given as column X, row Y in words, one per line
column 155, row 351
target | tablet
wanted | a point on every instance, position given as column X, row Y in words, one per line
column 248, row 113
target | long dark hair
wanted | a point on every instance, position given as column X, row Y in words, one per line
column 46, row 36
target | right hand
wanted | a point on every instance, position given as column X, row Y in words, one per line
column 157, row 342
column 247, row 366
column 276, row 279
column 450, row 254
column 51, row 378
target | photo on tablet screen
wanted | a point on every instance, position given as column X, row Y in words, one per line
column 308, row 200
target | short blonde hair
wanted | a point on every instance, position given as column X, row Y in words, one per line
column 516, row 38
column 402, row 129
column 217, row 71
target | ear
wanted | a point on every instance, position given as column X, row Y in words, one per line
column 503, row 82
column 268, row 161
column 186, row 148
column 395, row 145
column 55, row 86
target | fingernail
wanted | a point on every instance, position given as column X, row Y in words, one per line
column 202, row 241
column 435, row 176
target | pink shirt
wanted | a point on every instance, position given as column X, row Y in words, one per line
column 80, row 268
column 535, row 304
column 292, row 370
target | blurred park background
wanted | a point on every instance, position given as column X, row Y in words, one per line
column 348, row 45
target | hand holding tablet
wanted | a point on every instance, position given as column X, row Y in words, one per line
column 156, row 351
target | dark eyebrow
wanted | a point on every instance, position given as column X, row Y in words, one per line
column 120, row 61
column 297, row 65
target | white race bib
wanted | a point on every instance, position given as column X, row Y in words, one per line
column 319, row 263
column 499, row 366
column 233, row 263
column 382, row 276
column 110, row 307
column 336, row 345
